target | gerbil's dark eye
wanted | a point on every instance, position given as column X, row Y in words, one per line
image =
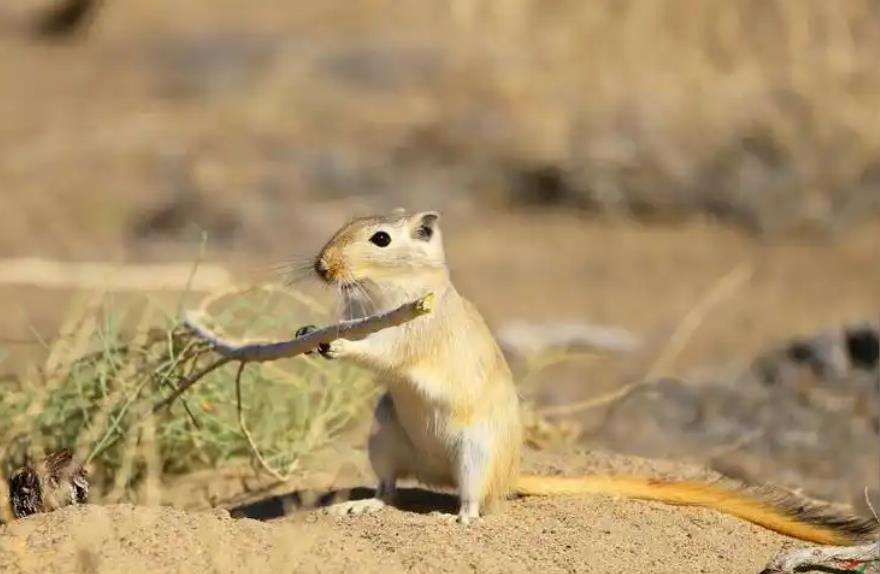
column 381, row 239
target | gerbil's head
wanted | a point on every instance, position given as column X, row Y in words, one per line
column 398, row 246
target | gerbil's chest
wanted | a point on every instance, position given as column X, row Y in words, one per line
column 443, row 401
column 439, row 390
column 423, row 396
column 429, row 423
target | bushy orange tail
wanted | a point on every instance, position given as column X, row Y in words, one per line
column 783, row 514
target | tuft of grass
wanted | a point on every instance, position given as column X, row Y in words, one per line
column 112, row 362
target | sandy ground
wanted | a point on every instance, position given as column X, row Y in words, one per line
column 590, row 534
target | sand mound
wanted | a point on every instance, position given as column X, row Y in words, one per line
column 594, row 534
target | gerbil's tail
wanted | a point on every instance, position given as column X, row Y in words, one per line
column 782, row 513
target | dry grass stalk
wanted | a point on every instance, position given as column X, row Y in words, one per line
column 255, row 450
column 722, row 290
column 101, row 382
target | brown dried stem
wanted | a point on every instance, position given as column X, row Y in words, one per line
column 255, row 450
column 259, row 352
column 720, row 291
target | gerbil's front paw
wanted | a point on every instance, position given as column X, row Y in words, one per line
column 306, row 330
column 335, row 350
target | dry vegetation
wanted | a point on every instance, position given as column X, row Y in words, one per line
column 111, row 364
column 756, row 112
column 759, row 113
column 169, row 114
column 108, row 389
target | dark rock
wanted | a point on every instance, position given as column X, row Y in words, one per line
column 803, row 415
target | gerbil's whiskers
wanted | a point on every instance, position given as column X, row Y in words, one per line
column 365, row 302
column 296, row 270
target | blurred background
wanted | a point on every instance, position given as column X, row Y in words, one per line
column 694, row 183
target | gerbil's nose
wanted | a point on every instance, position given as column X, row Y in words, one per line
column 321, row 269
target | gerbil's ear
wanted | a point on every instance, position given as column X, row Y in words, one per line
column 426, row 223
column 427, row 217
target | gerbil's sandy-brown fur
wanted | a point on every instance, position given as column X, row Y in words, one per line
column 451, row 414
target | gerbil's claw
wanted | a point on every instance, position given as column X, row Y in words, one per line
column 323, row 348
column 335, row 350
column 329, row 351
column 466, row 520
column 463, row 519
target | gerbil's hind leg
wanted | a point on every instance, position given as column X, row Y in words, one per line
column 472, row 470
column 390, row 452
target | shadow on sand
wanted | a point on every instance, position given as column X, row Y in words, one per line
column 408, row 499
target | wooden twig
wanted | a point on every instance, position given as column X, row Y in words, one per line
column 259, row 352
column 247, row 433
column 863, row 559
column 190, row 381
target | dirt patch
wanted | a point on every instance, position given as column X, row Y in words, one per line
column 590, row 534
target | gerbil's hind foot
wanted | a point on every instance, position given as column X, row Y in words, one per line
column 464, row 520
column 356, row 507
column 468, row 514
column 467, row 520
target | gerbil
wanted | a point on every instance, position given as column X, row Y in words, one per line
column 451, row 413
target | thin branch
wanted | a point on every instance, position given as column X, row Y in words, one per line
column 247, row 433
column 190, row 381
column 259, row 352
